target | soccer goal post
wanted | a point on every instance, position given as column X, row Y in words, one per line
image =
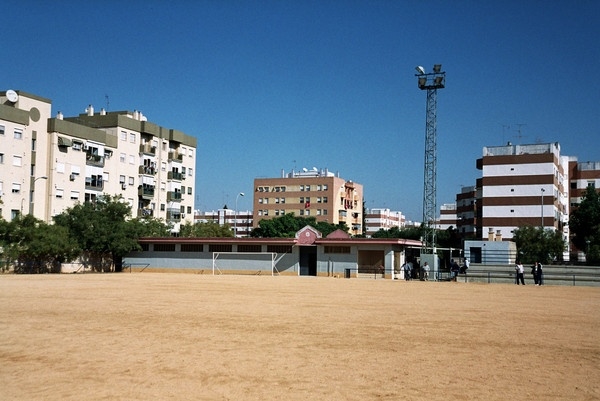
column 253, row 263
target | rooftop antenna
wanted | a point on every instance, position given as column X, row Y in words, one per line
column 504, row 128
column 107, row 102
column 519, row 136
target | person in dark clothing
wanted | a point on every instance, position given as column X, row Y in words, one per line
column 534, row 273
column 539, row 273
column 454, row 269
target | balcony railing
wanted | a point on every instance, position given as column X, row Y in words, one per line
column 94, row 160
column 147, row 170
column 148, row 149
column 173, row 196
column 145, row 213
column 94, row 185
column 173, row 216
column 175, row 156
column 146, row 192
column 172, row 175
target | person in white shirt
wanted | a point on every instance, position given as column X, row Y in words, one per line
column 520, row 273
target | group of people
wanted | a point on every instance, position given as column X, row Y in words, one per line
column 411, row 271
column 536, row 271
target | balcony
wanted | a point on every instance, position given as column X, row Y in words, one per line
column 175, row 156
column 145, row 213
column 173, row 215
column 94, row 160
column 148, row 149
column 172, row 175
column 173, row 196
column 146, row 192
column 147, row 170
column 93, row 184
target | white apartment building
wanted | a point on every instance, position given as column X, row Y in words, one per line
column 523, row 185
column 382, row 218
column 240, row 221
column 50, row 164
column 448, row 217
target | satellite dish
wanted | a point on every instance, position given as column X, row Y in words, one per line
column 12, row 96
column 304, row 169
column 314, row 169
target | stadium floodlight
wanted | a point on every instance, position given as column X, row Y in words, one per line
column 437, row 68
column 420, row 69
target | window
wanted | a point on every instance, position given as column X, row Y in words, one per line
column 337, row 249
column 1, row 158
column 324, row 187
column 75, row 170
column 192, row 247
column 131, row 159
column 131, row 181
column 18, row 133
column 122, row 157
column 132, row 137
column 59, row 193
column 74, row 195
column 189, row 191
column 17, row 161
column 190, row 172
column 60, row 168
column 121, row 179
column 16, row 188
column 2, row 129
column 124, row 135
column 324, row 199
column 163, row 166
column 191, row 153
column 189, row 210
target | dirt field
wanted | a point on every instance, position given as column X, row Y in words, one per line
column 154, row 336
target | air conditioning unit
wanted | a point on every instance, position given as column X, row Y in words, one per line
column 72, row 177
column 123, row 186
column 183, row 216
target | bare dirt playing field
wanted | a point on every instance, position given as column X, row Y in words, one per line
column 154, row 336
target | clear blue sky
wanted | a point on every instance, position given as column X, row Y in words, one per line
column 272, row 85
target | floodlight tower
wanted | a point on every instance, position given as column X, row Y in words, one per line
column 430, row 82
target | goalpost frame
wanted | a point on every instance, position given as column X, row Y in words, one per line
column 215, row 256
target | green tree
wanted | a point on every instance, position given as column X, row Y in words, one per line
column 288, row 225
column 584, row 224
column 32, row 246
column 536, row 244
column 149, row 226
column 205, row 230
column 102, row 231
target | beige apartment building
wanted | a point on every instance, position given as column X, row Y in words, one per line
column 51, row 163
column 316, row 193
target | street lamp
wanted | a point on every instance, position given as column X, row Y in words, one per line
column 543, row 190
column 235, row 215
column 31, row 193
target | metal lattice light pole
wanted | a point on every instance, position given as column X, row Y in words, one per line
column 430, row 82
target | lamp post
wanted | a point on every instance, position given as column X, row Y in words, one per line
column 31, row 193
column 235, row 215
column 543, row 190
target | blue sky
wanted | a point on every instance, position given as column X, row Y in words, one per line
column 272, row 85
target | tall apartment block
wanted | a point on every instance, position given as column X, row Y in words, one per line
column 448, row 217
column 466, row 212
column 317, row 193
column 522, row 185
column 52, row 163
column 382, row 218
column 581, row 176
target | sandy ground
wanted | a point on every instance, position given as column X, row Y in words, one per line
column 154, row 336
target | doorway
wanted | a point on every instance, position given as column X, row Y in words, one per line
column 308, row 260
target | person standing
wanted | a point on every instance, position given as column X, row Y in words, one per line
column 454, row 269
column 539, row 272
column 520, row 273
column 426, row 271
column 534, row 273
